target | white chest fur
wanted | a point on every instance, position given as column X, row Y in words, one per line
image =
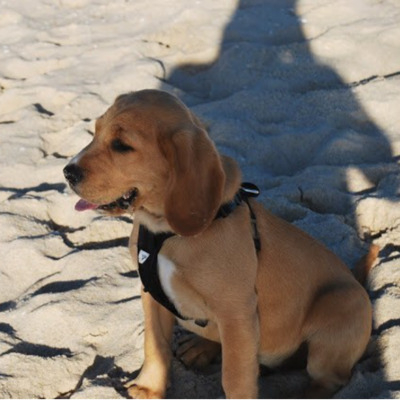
column 186, row 300
column 166, row 271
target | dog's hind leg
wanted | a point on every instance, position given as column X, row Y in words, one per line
column 197, row 352
column 329, row 368
column 339, row 329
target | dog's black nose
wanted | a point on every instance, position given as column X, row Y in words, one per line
column 73, row 173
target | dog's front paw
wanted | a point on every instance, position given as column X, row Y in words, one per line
column 136, row 391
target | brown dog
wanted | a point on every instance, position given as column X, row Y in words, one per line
column 150, row 155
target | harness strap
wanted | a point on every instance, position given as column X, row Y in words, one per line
column 246, row 191
column 149, row 244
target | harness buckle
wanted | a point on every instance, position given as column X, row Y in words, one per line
column 249, row 189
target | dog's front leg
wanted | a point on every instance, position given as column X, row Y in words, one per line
column 240, row 341
column 153, row 378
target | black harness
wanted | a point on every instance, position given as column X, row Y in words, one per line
column 149, row 245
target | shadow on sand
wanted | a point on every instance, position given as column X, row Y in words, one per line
column 282, row 114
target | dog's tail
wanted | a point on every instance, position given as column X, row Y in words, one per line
column 365, row 264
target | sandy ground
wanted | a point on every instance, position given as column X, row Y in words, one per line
column 304, row 94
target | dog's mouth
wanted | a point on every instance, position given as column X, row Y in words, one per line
column 122, row 203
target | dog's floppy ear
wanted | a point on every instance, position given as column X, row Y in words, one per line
column 196, row 181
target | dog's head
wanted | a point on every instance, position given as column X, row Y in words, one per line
column 150, row 154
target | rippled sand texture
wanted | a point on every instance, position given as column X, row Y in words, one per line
column 304, row 94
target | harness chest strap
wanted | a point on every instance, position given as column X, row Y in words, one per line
column 149, row 245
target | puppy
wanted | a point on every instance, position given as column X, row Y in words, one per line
column 224, row 266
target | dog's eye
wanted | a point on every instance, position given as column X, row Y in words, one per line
column 121, row 147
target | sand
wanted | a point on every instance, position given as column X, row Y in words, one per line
column 304, row 94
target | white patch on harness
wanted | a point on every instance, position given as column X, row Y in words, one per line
column 143, row 256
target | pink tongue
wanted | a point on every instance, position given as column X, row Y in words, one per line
column 83, row 205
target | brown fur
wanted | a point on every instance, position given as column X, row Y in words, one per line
column 261, row 306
